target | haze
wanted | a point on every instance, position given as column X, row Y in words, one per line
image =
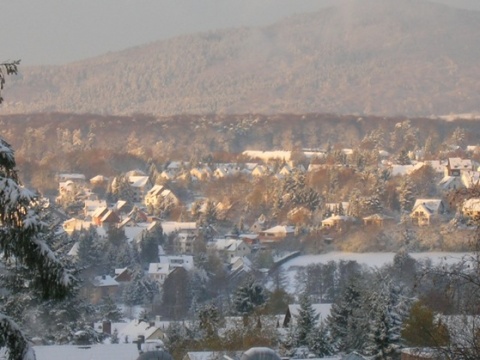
column 62, row 31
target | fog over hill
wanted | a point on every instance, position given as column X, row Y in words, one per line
column 380, row 57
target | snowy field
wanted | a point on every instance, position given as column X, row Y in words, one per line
column 373, row 260
column 90, row 352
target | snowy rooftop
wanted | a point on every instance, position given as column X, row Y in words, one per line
column 90, row 352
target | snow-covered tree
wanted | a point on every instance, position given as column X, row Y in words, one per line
column 24, row 238
column 319, row 341
column 388, row 308
column 209, row 320
column 249, row 296
column 306, row 320
column 109, row 310
column 344, row 321
column 406, row 196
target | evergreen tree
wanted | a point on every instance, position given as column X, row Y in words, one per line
column 344, row 321
column 209, row 320
column 319, row 341
column 406, row 195
column 149, row 248
column 109, row 310
column 306, row 320
column 388, row 308
column 25, row 238
column 248, row 297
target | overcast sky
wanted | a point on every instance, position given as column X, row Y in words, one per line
column 62, row 31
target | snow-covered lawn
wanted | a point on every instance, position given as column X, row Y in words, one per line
column 90, row 352
column 374, row 260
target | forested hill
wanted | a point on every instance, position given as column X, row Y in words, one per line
column 36, row 137
column 383, row 57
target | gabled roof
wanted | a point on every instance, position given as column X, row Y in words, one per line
column 159, row 268
column 459, row 163
column 431, row 205
column 104, row 280
column 138, row 181
column 281, row 229
column 100, row 212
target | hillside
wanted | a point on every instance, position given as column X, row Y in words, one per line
column 380, row 57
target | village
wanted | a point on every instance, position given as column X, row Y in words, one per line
column 180, row 214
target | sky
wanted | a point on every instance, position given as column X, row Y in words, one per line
column 52, row 32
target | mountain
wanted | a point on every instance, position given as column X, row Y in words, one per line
column 383, row 57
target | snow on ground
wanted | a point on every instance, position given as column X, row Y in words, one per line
column 89, row 352
column 374, row 260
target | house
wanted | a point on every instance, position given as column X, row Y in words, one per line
column 140, row 186
column 471, row 208
column 75, row 178
column 277, row 233
column 230, row 248
column 260, row 171
column 159, row 195
column 175, row 261
column 73, row 224
column 123, row 275
column 451, row 183
column 293, row 310
column 105, row 218
column 201, row 173
column 170, row 227
column 159, row 272
column 378, row 220
column 336, row 222
column 103, row 286
column 91, row 205
column 470, row 179
column 427, row 211
column 455, row 166
column 137, row 328
column 183, row 242
column 99, row 180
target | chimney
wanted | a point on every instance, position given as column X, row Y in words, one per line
column 107, row 327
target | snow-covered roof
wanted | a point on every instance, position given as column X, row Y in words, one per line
column 104, row 280
column 138, row 181
column 281, row 229
column 91, row 352
column 185, row 261
column 322, row 310
column 136, row 328
column 159, row 268
column 173, row 226
column 260, row 353
column 459, row 163
column 72, row 176
column 226, row 244
column 432, row 205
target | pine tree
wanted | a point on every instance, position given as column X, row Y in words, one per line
column 209, row 320
column 24, row 237
column 406, row 196
column 248, row 297
column 344, row 322
column 319, row 341
column 306, row 320
column 389, row 307
column 110, row 311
